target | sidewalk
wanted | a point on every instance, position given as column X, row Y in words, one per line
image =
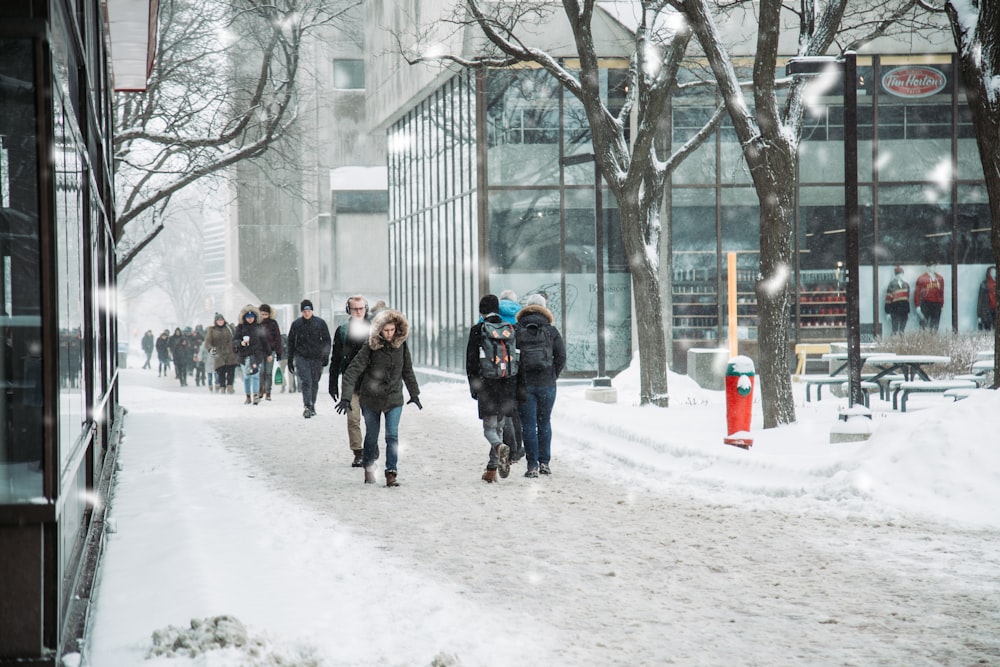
column 252, row 511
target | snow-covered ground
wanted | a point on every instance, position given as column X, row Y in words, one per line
column 651, row 544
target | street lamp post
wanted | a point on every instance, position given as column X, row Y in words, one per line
column 848, row 66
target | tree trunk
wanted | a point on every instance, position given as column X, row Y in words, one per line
column 648, row 304
column 979, row 57
column 774, row 177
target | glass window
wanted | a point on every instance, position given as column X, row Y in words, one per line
column 914, row 225
column 522, row 120
column 21, row 440
column 349, row 74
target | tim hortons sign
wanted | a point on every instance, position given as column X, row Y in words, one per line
column 914, row 81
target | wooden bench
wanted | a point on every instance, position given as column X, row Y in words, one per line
column 905, row 388
column 802, row 353
column 819, row 381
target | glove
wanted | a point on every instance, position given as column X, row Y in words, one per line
column 416, row 402
column 291, row 366
column 475, row 394
column 333, row 393
column 343, row 407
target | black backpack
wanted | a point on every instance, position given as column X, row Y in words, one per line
column 535, row 348
column 496, row 351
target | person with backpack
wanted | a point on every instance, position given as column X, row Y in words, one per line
column 541, row 358
column 491, row 369
column 509, row 307
column 347, row 340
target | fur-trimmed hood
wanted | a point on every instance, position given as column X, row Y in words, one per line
column 246, row 309
column 535, row 308
column 375, row 340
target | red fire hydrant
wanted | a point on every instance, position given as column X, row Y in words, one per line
column 739, row 400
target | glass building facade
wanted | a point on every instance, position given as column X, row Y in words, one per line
column 922, row 197
column 59, row 410
column 492, row 187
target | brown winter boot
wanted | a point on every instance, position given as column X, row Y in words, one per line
column 267, row 396
column 390, row 478
column 369, row 475
column 490, row 475
column 247, row 402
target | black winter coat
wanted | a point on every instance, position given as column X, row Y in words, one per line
column 309, row 339
column 345, row 348
column 496, row 396
column 258, row 349
column 380, row 369
column 540, row 315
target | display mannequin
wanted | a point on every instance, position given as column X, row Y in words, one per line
column 897, row 301
column 928, row 298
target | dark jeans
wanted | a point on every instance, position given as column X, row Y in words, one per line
column 373, row 427
column 536, row 424
column 308, row 372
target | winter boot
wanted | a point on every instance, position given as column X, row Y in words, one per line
column 390, row 478
column 256, row 399
column 359, row 457
column 543, row 468
column 306, row 412
column 267, row 396
column 247, row 402
column 369, row 475
column 503, row 453
column 490, row 475
column 230, row 390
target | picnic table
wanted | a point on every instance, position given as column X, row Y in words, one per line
column 843, row 357
column 912, row 366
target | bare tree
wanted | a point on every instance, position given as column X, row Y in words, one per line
column 769, row 134
column 634, row 166
column 222, row 90
column 976, row 26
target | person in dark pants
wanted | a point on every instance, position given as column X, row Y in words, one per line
column 273, row 332
column 308, row 353
column 148, row 346
column 542, row 358
column 496, row 397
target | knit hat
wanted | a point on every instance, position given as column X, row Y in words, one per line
column 535, row 300
column 306, row 305
column 249, row 313
column 898, row 269
column 219, row 316
column 489, row 304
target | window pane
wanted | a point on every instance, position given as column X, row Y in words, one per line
column 349, row 74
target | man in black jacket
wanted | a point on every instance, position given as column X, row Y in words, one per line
column 308, row 352
column 273, row 332
column 347, row 340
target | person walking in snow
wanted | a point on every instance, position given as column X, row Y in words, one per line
column 219, row 341
column 490, row 370
column 378, row 372
column 349, row 338
column 542, row 357
column 273, row 332
column 250, row 345
column 308, row 353
column 148, row 346
column 512, row 436
column 163, row 353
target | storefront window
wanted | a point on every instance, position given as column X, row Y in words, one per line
column 522, row 117
column 21, row 440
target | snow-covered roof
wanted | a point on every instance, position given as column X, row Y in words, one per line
column 344, row 179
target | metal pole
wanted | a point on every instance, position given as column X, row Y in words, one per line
column 853, row 224
column 599, row 242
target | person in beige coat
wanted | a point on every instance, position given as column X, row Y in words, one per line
column 219, row 343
